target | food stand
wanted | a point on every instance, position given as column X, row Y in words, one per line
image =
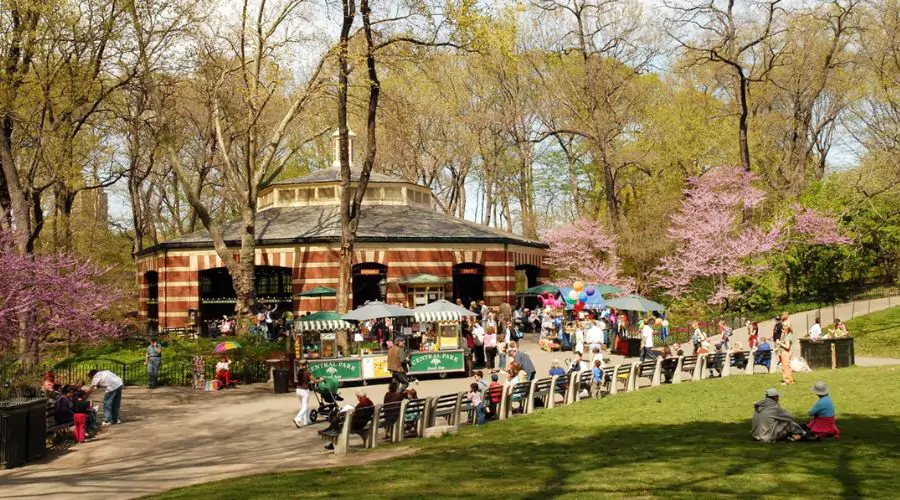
column 447, row 352
column 316, row 340
column 323, row 340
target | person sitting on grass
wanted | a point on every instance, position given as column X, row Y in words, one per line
column 823, row 414
column 773, row 423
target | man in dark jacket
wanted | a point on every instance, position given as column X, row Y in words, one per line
column 397, row 365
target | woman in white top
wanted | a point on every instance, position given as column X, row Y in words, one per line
column 579, row 339
column 223, row 374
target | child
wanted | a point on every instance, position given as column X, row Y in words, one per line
column 474, row 397
column 81, row 408
column 495, row 394
column 596, row 379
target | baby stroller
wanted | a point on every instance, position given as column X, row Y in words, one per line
column 327, row 395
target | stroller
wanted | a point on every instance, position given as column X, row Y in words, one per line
column 327, row 395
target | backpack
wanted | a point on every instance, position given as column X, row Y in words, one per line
column 518, row 333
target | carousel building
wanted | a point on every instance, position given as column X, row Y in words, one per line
column 406, row 251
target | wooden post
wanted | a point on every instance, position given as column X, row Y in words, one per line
column 833, row 356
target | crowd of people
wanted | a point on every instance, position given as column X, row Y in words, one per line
column 72, row 405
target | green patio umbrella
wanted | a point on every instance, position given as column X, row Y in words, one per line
column 321, row 321
column 634, row 303
column 541, row 289
column 606, row 289
column 319, row 291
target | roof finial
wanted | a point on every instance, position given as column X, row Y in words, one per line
column 336, row 147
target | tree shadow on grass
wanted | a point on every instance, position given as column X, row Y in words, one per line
column 701, row 458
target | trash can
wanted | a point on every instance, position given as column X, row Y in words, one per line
column 37, row 428
column 280, row 378
column 13, row 434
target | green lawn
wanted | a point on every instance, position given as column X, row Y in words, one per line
column 678, row 441
column 877, row 334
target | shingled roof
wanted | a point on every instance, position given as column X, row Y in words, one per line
column 334, row 175
column 378, row 223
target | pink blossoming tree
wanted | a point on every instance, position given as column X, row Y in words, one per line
column 712, row 244
column 49, row 295
column 583, row 250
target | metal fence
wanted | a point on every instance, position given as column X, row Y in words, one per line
column 172, row 371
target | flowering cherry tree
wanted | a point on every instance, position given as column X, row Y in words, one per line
column 711, row 242
column 583, row 250
column 46, row 295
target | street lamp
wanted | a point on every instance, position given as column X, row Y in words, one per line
column 382, row 287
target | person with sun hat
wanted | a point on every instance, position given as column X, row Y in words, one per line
column 823, row 413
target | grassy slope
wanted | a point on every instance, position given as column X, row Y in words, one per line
column 694, row 441
column 877, row 334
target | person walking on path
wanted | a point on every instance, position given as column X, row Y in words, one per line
column 783, row 349
column 397, row 365
column 647, row 335
column 304, row 383
column 779, row 327
column 112, row 398
column 490, row 347
column 152, row 360
column 698, row 337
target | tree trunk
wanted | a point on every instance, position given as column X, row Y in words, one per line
column 243, row 273
column 346, row 249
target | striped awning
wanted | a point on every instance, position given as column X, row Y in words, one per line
column 326, row 325
column 429, row 316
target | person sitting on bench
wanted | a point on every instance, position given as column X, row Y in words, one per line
column 363, row 413
column 764, row 347
column 773, row 423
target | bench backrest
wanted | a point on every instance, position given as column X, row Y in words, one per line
column 646, row 369
column 389, row 409
column 715, row 357
column 669, row 363
column 445, row 405
column 542, row 387
column 688, row 363
column 493, row 395
column 762, row 356
column 585, row 378
column 415, row 407
column 521, row 389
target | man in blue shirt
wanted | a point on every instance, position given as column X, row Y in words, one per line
column 759, row 358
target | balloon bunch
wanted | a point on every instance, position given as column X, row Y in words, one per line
column 579, row 296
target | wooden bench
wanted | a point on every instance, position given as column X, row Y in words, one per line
column 739, row 360
column 56, row 433
column 714, row 361
column 340, row 434
column 541, row 390
column 380, row 417
column 687, row 364
column 649, row 369
column 446, row 406
column 413, row 417
column 519, row 394
column 761, row 358
column 668, row 367
column 620, row 373
column 493, row 397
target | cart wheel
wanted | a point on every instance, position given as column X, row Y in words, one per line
column 442, row 375
column 313, row 415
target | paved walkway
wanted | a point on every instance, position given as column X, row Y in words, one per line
column 174, row 437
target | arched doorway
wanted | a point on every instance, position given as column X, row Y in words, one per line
column 274, row 286
column 468, row 282
column 367, row 283
column 526, row 277
column 151, row 279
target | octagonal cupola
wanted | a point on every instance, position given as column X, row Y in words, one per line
column 323, row 187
